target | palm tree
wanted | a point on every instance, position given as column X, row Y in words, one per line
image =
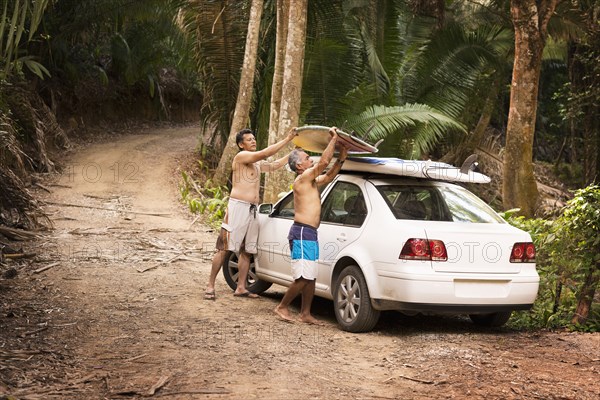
column 291, row 89
column 460, row 69
column 244, row 99
column 218, row 30
column 282, row 16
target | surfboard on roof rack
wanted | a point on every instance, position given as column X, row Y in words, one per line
column 315, row 138
column 413, row 168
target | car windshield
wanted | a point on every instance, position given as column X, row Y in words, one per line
column 437, row 203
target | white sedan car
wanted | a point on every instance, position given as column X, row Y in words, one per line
column 389, row 242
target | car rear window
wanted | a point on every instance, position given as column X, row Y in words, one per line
column 437, row 203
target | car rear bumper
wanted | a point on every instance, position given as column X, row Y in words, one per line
column 382, row 305
column 471, row 293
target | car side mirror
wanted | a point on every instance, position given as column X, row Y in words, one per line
column 266, row 208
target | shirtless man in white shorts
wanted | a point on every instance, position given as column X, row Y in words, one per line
column 239, row 231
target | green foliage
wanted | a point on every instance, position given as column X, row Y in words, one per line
column 568, row 250
column 136, row 44
column 208, row 199
column 570, row 173
column 428, row 125
column 580, row 223
column 19, row 21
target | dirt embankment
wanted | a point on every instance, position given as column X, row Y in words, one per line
column 120, row 313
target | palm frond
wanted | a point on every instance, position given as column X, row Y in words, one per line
column 373, row 33
column 418, row 122
column 568, row 21
column 11, row 153
column 219, row 31
column 446, row 72
column 323, row 85
column 555, row 50
column 333, row 64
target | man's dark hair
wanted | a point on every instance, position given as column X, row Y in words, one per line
column 239, row 137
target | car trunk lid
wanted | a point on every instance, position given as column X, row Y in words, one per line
column 476, row 248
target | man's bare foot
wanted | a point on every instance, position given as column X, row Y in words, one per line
column 311, row 320
column 247, row 294
column 283, row 314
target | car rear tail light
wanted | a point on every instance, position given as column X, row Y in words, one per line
column 438, row 250
column 423, row 249
column 523, row 252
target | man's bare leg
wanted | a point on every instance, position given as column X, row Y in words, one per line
column 243, row 268
column 217, row 262
column 308, row 293
column 294, row 290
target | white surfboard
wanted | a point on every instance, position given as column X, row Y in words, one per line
column 413, row 168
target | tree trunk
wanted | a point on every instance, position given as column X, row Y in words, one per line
column 478, row 133
column 473, row 141
column 283, row 7
column 590, row 149
column 586, row 295
column 430, row 8
column 519, row 187
column 289, row 112
column 244, row 99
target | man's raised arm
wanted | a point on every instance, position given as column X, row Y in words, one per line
column 247, row 157
column 333, row 171
column 274, row 165
column 316, row 170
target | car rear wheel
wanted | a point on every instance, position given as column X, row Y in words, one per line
column 491, row 320
column 352, row 302
column 231, row 273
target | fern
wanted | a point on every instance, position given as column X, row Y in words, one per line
column 208, row 200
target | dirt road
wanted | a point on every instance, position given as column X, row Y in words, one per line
column 94, row 326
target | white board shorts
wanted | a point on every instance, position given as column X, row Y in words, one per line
column 239, row 229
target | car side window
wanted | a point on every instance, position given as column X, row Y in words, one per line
column 285, row 209
column 345, row 205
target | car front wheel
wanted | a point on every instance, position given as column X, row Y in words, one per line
column 352, row 302
column 231, row 272
column 491, row 320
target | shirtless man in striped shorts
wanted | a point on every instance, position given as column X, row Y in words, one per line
column 304, row 246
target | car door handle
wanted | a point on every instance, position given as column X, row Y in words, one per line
column 341, row 238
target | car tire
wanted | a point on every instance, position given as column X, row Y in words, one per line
column 230, row 272
column 491, row 320
column 352, row 303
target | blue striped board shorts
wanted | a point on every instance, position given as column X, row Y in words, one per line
column 304, row 247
